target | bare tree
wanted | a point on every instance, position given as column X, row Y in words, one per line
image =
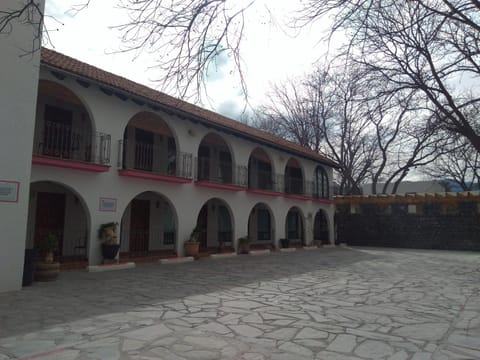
column 28, row 12
column 323, row 112
column 428, row 45
column 460, row 163
column 186, row 37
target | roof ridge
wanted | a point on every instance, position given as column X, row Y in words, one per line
column 70, row 64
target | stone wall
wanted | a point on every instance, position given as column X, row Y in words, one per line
column 424, row 225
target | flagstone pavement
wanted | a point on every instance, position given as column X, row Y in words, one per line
column 340, row 303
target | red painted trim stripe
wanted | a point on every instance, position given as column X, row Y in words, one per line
column 152, row 176
column 221, row 186
column 69, row 164
column 264, row 192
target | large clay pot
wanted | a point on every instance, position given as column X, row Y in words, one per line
column 191, row 248
column 110, row 251
column 47, row 271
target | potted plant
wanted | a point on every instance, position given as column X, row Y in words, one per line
column 48, row 246
column 107, row 234
column 48, row 269
column 244, row 245
column 192, row 245
column 284, row 242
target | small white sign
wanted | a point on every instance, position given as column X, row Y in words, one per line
column 9, row 191
column 108, row 204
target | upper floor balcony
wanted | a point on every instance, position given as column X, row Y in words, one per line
column 148, row 150
column 215, row 167
column 63, row 134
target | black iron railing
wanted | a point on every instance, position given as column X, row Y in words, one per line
column 65, row 142
column 225, row 172
column 261, row 179
column 153, row 158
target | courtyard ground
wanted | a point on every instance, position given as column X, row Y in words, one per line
column 342, row 303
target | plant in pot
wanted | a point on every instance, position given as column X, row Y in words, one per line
column 192, row 245
column 107, row 234
column 285, row 242
column 48, row 246
column 244, row 245
column 48, row 269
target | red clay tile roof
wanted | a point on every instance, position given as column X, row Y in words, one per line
column 73, row 66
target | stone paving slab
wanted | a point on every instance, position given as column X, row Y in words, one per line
column 344, row 303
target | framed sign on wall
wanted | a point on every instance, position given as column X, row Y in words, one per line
column 9, row 191
column 107, row 204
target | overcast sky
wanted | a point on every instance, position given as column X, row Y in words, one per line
column 270, row 52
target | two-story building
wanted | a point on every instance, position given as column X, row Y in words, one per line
column 90, row 147
column 108, row 149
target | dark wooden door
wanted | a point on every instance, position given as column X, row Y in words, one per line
column 202, row 223
column 49, row 217
column 139, row 226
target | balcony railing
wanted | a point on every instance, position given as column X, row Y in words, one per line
column 261, row 180
column 224, row 172
column 63, row 141
column 294, row 185
column 152, row 158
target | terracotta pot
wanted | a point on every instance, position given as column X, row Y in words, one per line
column 244, row 248
column 191, row 248
column 47, row 271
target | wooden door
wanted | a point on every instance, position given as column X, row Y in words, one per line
column 202, row 223
column 139, row 226
column 49, row 217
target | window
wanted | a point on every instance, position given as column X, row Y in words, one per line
column 321, row 183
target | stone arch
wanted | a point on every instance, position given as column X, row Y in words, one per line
column 216, row 223
column 149, row 226
column 321, row 228
column 215, row 160
column 150, row 144
column 64, row 126
column 58, row 208
column 295, row 226
column 261, row 225
column 294, row 179
column 260, row 170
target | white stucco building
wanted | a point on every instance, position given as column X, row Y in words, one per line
column 91, row 147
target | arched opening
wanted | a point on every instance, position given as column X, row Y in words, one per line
column 293, row 177
column 260, row 226
column 320, row 228
column 149, row 227
column 149, row 145
column 260, row 174
column 57, row 209
column 214, row 160
column 215, row 222
column 295, row 227
column 64, row 128
column 320, row 182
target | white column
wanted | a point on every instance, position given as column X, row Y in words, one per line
column 17, row 122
